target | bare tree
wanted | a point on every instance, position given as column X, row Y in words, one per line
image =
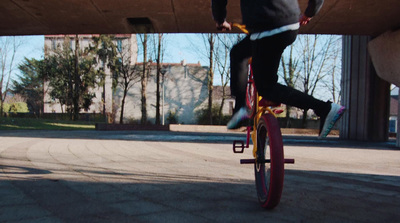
column 209, row 52
column 77, row 80
column 224, row 44
column 144, row 79
column 159, row 55
column 290, row 74
column 216, row 49
column 127, row 72
column 317, row 58
column 8, row 50
column 211, row 42
column 332, row 82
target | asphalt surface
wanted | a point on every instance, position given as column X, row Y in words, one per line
column 149, row 176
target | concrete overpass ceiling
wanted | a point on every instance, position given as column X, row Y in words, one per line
column 38, row 17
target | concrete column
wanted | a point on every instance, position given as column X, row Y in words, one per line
column 365, row 95
column 398, row 121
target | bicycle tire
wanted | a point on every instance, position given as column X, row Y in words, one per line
column 269, row 176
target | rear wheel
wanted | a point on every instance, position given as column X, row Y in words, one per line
column 269, row 165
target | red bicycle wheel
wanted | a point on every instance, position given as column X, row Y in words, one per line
column 269, row 166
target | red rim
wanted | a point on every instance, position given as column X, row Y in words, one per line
column 269, row 177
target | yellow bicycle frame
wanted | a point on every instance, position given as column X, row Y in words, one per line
column 260, row 111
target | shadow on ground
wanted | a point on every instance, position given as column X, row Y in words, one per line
column 35, row 195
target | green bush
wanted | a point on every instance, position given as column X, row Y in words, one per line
column 172, row 118
column 16, row 107
column 203, row 118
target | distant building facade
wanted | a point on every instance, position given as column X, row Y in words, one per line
column 394, row 110
column 185, row 93
column 185, row 87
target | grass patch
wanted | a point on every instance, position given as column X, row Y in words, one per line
column 43, row 124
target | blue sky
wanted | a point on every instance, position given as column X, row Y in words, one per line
column 189, row 47
column 179, row 47
column 28, row 46
column 32, row 47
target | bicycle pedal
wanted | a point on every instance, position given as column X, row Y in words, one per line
column 238, row 146
column 247, row 161
column 289, row 161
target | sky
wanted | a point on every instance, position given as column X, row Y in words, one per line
column 178, row 47
column 32, row 47
column 188, row 47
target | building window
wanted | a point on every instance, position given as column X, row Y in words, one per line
column 53, row 44
column 119, row 45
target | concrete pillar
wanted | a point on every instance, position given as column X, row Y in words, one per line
column 385, row 55
column 365, row 95
column 398, row 121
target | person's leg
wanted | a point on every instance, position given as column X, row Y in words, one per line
column 239, row 57
column 267, row 53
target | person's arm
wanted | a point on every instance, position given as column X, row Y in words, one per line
column 312, row 9
column 219, row 14
column 219, row 10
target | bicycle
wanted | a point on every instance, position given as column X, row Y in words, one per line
column 267, row 144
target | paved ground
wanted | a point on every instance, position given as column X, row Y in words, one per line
column 93, row 176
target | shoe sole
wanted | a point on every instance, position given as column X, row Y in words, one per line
column 234, row 123
column 327, row 129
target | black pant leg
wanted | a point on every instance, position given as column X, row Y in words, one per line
column 267, row 53
column 239, row 56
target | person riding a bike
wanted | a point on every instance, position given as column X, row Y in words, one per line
column 273, row 25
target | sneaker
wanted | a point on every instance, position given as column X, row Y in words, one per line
column 238, row 117
column 329, row 121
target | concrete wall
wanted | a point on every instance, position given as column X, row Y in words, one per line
column 365, row 95
column 186, row 92
column 385, row 55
